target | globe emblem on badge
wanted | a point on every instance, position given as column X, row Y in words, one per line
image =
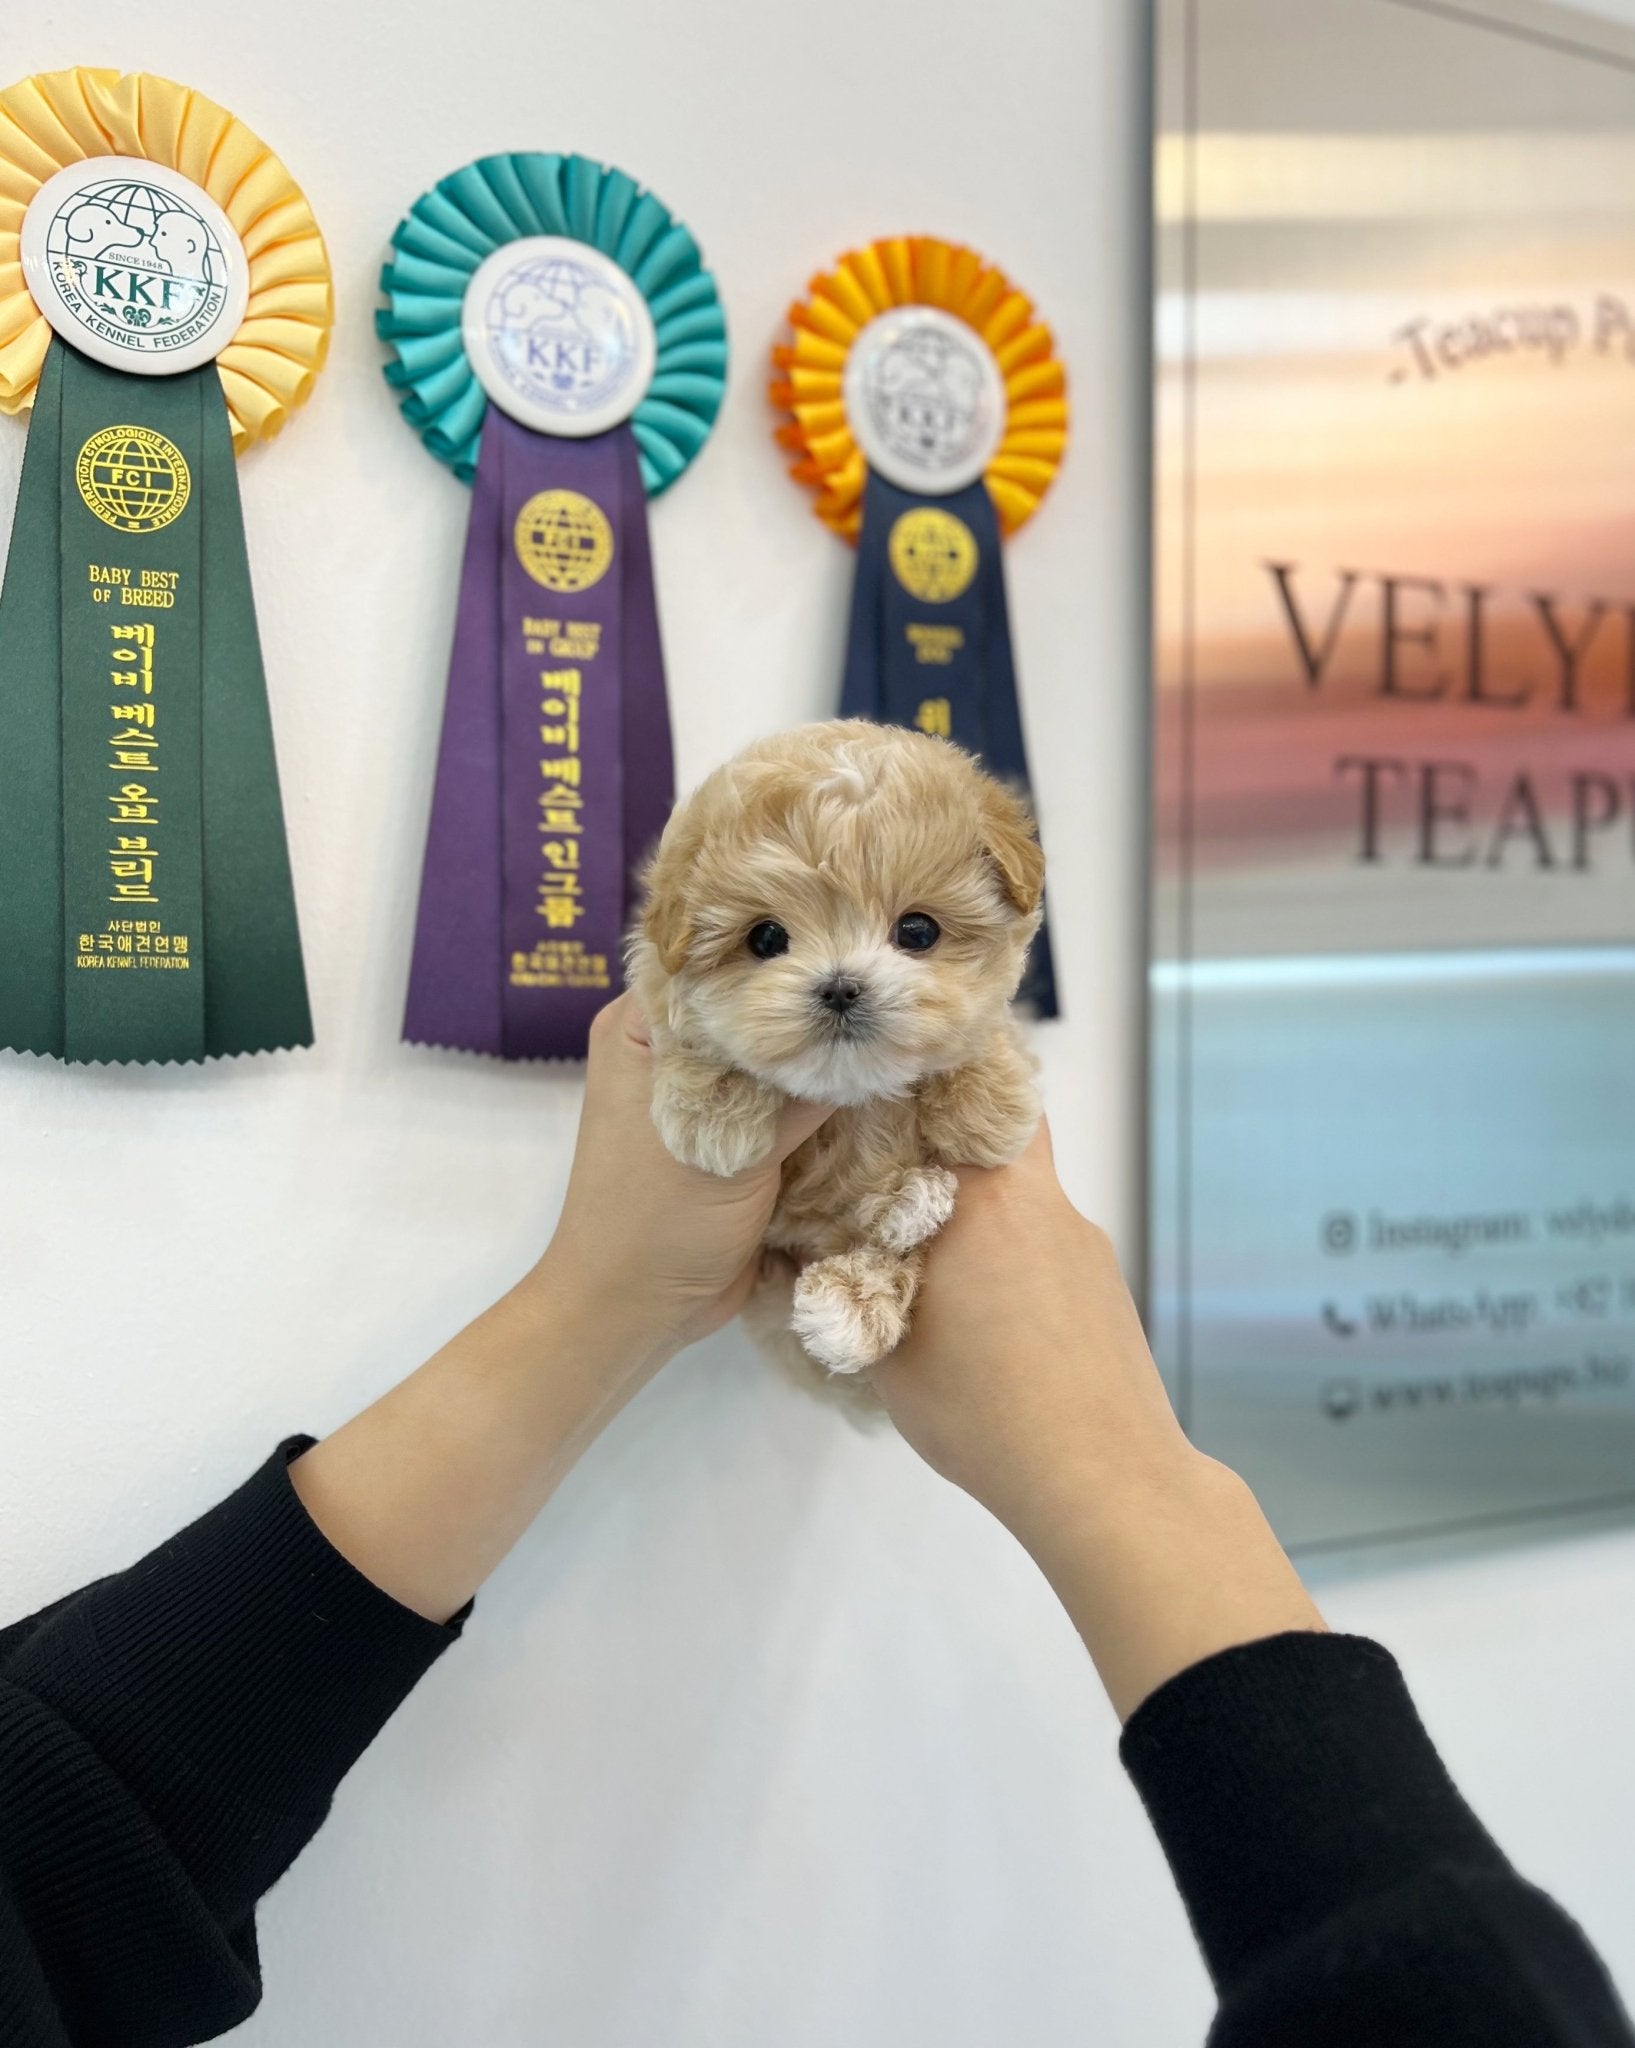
column 925, row 399
column 925, row 396
column 133, row 479
column 933, row 554
column 564, row 339
column 563, row 540
column 137, row 266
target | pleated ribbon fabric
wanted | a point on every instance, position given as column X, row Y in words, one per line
column 148, row 912
column 929, row 643
column 555, row 769
column 555, row 773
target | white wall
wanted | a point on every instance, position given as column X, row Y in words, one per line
column 764, row 1739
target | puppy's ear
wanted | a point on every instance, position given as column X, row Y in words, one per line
column 1012, row 844
column 666, row 917
column 666, row 923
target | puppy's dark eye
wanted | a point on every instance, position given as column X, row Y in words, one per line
column 767, row 940
column 916, row 933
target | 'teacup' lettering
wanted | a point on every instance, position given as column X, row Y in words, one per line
column 1433, row 347
column 1458, row 822
column 1428, row 348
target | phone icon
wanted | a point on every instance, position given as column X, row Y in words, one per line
column 1336, row 1323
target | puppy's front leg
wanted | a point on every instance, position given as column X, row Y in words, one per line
column 710, row 1116
column 985, row 1113
column 912, row 1209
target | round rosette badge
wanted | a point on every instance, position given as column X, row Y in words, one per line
column 135, row 265
column 559, row 336
column 555, row 338
column 164, row 302
column 926, row 409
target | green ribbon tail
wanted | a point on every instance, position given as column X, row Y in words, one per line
column 255, row 986
column 146, row 906
column 31, row 994
column 133, row 964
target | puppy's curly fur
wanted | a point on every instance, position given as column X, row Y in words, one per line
column 772, row 960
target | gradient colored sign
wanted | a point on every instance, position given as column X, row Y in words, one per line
column 1393, row 1126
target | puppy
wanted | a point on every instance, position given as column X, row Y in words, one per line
column 842, row 914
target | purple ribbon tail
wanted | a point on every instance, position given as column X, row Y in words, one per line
column 556, row 772
column 649, row 754
column 454, row 977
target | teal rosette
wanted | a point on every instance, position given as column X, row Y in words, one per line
column 451, row 229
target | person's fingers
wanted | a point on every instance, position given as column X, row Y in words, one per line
column 1035, row 1158
column 621, row 1045
column 796, row 1123
column 625, row 1042
column 618, row 1022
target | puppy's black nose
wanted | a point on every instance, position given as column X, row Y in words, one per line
column 839, row 993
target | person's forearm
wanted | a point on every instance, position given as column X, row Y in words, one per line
column 1340, row 1888
column 170, row 1738
column 1162, row 1559
column 427, row 1490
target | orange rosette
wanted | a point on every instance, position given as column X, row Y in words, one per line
column 58, row 118
column 916, row 270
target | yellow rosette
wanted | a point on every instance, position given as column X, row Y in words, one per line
column 57, row 118
column 165, row 301
column 916, row 270
column 926, row 410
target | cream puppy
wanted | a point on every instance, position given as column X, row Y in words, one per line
column 842, row 914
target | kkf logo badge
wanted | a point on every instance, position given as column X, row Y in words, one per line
column 133, row 479
column 558, row 336
column 925, row 399
column 135, row 265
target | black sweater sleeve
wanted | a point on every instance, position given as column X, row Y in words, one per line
column 170, row 1739
column 1341, row 1890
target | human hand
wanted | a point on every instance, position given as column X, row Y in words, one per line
column 429, row 1487
column 1027, row 1380
column 654, row 1253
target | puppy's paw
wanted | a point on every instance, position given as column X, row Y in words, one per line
column 852, row 1310
column 983, row 1114
column 720, row 1123
column 911, row 1211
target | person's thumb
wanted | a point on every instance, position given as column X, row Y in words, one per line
column 796, row 1123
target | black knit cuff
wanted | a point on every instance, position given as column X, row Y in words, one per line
column 1285, row 1779
column 236, row 1673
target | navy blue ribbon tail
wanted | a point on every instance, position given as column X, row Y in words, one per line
column 942, row 665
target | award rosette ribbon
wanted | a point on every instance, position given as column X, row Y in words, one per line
column 928, row 412
column 556, row 340
column 164, row 303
